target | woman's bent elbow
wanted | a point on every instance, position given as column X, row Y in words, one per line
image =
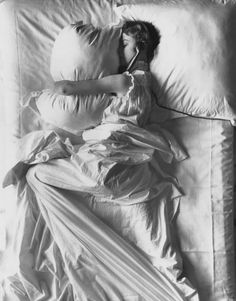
column 63, row 87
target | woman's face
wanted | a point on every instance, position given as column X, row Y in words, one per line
column 128, row 49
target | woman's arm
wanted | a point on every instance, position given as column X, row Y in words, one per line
column 118, row 83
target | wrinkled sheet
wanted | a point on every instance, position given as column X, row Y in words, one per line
column 206, row 210
column 56, row 177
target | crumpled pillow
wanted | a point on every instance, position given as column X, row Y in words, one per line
column 194, row 67
column 80, row 52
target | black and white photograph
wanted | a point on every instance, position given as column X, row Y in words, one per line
column 117, row 150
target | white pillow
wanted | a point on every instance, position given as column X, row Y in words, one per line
column 80, row 52
column 28, row 29
column 191, row 69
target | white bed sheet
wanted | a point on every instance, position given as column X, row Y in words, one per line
column 204, row 225
column 203, row 228
column 205, row 221
column 205, row 231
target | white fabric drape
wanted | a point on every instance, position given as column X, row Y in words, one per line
column 73, row 226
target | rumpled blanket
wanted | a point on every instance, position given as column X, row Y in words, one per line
column 83, row 256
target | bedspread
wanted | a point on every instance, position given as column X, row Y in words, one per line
column 97, row 263
column 206, row 210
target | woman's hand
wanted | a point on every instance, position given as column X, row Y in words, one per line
column 63, row 87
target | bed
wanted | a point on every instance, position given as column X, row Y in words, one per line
column 32, row 266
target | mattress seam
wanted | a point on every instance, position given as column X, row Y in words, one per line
column 19, row 73
column 212, row 215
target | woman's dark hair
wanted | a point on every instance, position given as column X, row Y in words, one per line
column 146, row 35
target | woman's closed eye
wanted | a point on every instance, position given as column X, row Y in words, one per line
column 124, row 44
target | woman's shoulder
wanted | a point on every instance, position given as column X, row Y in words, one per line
column 139, row 84
column 140, row 77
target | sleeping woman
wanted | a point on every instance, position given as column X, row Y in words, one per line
column 116, row 163
column 120, row 148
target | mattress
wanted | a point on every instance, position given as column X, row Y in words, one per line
column 206, row 209
column 203, row 229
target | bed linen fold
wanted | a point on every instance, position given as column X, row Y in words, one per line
column 143, row 227
column 72, row 225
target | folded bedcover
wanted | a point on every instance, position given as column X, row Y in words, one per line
column 204, row 226
column 203, row 229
